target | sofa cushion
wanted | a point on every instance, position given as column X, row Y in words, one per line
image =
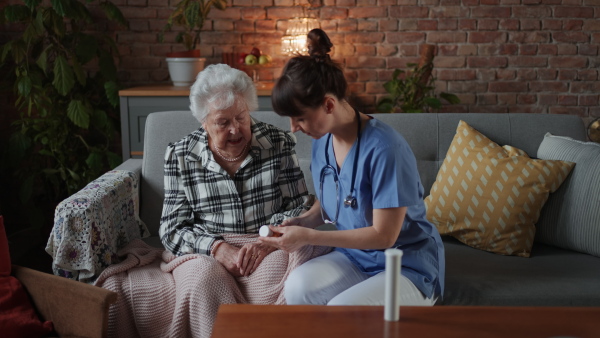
column 571, row 217
column 549, row 277
column 490, row 197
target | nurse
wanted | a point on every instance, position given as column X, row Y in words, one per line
column 367, row 184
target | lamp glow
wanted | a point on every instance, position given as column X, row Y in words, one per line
column 293, row 41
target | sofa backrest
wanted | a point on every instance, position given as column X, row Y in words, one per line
column 429, row 136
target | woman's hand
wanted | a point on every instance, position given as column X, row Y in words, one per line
column 292, row 237
column 227, row 255
column 251, row 255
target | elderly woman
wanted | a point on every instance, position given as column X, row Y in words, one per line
column 232, row 175
column 222, row 182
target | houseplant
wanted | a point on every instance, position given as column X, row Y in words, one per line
column 413, row 91
column 65, row 86
column 189, row 16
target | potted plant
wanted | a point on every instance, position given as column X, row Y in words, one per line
column 189, row 15
column 66, row 91
column 413, row 91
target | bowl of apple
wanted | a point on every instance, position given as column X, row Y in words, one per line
column 251, row 62
column 255, row 58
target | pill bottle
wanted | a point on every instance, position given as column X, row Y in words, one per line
column 265, row 231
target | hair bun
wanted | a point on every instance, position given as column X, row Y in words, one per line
column 318, row 44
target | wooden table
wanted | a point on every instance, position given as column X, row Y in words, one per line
column 312, row 321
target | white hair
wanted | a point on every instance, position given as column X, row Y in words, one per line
column 217, row 87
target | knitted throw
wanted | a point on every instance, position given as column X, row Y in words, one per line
column 161, row 295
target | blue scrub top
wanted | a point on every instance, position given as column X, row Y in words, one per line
column 386, row 177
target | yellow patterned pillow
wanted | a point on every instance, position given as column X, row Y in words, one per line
column 490, row 197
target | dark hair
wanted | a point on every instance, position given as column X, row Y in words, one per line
column 305, row 80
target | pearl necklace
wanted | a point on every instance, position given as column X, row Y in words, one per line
column 232, row 159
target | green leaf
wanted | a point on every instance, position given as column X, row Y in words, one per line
column 79, row 114
column 79, row 11
column 5, row 49
column 60, row 6
column 433, row 102
column 19, row 50
column 86, row 48
column 63, row 76
column 94, row 160
column 42, row 60
column 16, row 13
column 220, row 4
column 112, row 92
column 113, row 159
column 385, row 107
column 32, row 3
column 391, row 87
column 24, row 86
column 73, row 174
column 31, row 34
column 39, row 23
column 451, row 98
column 54, row 21
column 191, row 13
column 78, row 71
column 113, row 13
column 45, row 152
column 99, row 118
column 179, row 37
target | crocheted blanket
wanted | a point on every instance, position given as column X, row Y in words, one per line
column 161, row 295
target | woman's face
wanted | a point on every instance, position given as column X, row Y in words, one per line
column 314, row 122
column 229, row 129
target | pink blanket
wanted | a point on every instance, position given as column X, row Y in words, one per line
column 161, row 295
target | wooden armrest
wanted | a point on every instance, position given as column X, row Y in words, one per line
column 76, row 309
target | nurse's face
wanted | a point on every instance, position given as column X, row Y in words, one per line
column 314, row 122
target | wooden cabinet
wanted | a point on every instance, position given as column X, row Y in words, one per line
column 138, row 102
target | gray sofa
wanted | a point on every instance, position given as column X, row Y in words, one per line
column 550, row 277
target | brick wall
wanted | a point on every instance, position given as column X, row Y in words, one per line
column 537, row 56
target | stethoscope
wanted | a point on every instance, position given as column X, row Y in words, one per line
column 350, row 200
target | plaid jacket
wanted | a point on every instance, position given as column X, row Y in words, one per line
column 202, row 201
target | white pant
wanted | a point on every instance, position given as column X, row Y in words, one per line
column 332, row 279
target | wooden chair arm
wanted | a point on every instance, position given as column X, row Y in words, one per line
column 76, row 309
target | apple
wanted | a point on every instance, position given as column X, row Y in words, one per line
column 264, row 59
column 242, row 58
column 250, row 59
column 256, row 52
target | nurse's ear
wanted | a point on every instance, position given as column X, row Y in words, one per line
column 329, row 103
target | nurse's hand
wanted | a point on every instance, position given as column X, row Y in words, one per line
column 292, row 238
